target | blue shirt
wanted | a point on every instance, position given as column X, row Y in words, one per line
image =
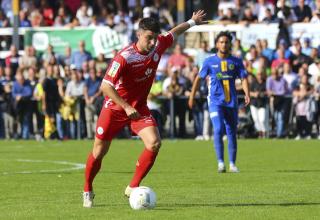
column 93, row 86
column 25, row 90
column 77, row 58
column 222, row 75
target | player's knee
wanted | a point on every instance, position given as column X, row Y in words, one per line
column 155, row 145
column 100, row 148
column 218, row 131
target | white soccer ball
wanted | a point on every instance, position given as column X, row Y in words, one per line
column 142, row 197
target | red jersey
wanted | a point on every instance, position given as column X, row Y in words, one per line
column 132, row 73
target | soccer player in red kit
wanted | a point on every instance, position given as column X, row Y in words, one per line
column 126, row 86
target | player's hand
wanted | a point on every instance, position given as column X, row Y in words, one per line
column 198, row 17
column 132, row 113
column 247, row 100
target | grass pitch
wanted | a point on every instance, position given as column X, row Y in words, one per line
column 279, row 179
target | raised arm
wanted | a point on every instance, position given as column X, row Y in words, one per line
column 196, row 19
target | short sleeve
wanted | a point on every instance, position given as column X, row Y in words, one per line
column 242, row 73
column 204, row 71
column 165, row 41
column 115, row 70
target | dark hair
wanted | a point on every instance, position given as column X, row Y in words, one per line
column 223, row 34
column 150, row 24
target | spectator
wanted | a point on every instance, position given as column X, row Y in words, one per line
column 80, row 56
column 47, row 12
column 12, row 60
column 316, row 17
column 74, row 92
column 27, row 60
column 177, row 59
column 276, row 63
column 277, row 88
column 269, row 17
column 4, row 21
column 299, row 58
column 21, row 93
column 202, row 54
column 258, row 103
column 62, row 18
column 84, row 13
column 49, row 56
column 306, row 46
column 229, row 17
column 248, row 17
column 301, row 100
column 91, row 95
column 261, row 8
column 303, row 12
column 101, row 63
column 289, row 76
column 36, row 18
column 23, row 19
column 266, row 51
column 237, row 49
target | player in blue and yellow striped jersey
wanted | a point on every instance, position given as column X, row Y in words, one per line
column 223, row 69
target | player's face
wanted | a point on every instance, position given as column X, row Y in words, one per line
column 147, row 40
column 223, row 45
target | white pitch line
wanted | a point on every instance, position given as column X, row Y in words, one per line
column 76, row 166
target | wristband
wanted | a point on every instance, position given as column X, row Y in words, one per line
column 191, row 22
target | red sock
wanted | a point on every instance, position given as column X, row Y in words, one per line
column 92, row 168
column 144, row 164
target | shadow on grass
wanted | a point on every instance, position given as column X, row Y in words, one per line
column 298, row 171
column 186, row 205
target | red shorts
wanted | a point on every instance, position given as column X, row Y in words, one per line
column 111, row 121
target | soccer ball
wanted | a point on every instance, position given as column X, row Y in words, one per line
column 142, row 198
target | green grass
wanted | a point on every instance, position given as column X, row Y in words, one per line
column 279, row 179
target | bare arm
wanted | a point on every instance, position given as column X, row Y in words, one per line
column 195, row 87
column 197, row 17
column 108, row 90
column 245, row 87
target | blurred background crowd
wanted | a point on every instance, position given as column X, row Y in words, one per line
column 51, row 95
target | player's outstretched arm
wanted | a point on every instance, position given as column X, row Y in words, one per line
column 194, row 89
column 196, row 19
column 108, row 90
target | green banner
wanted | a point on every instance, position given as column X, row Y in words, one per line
column 99, row 40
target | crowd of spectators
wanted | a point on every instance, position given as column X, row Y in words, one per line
column 57, row 95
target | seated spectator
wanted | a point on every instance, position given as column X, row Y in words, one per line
column 269, row 17
column 261, row 9
column 299, row 58
column 229, row 17
column 4, row 21
column 302, row 11
column 284, row 12
column 62, row 18
column 47, row 12
column 316, row 17
column 248, row 17
column 23, row 19
column 36, row 18
column 27, row 60
column 49, row 56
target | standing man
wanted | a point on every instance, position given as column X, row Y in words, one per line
column 126, row 86
column 222, row 70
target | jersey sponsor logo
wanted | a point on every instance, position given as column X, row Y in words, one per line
column 100, row 130
column 114, row 69
column 222, row 76
column 155, row 57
